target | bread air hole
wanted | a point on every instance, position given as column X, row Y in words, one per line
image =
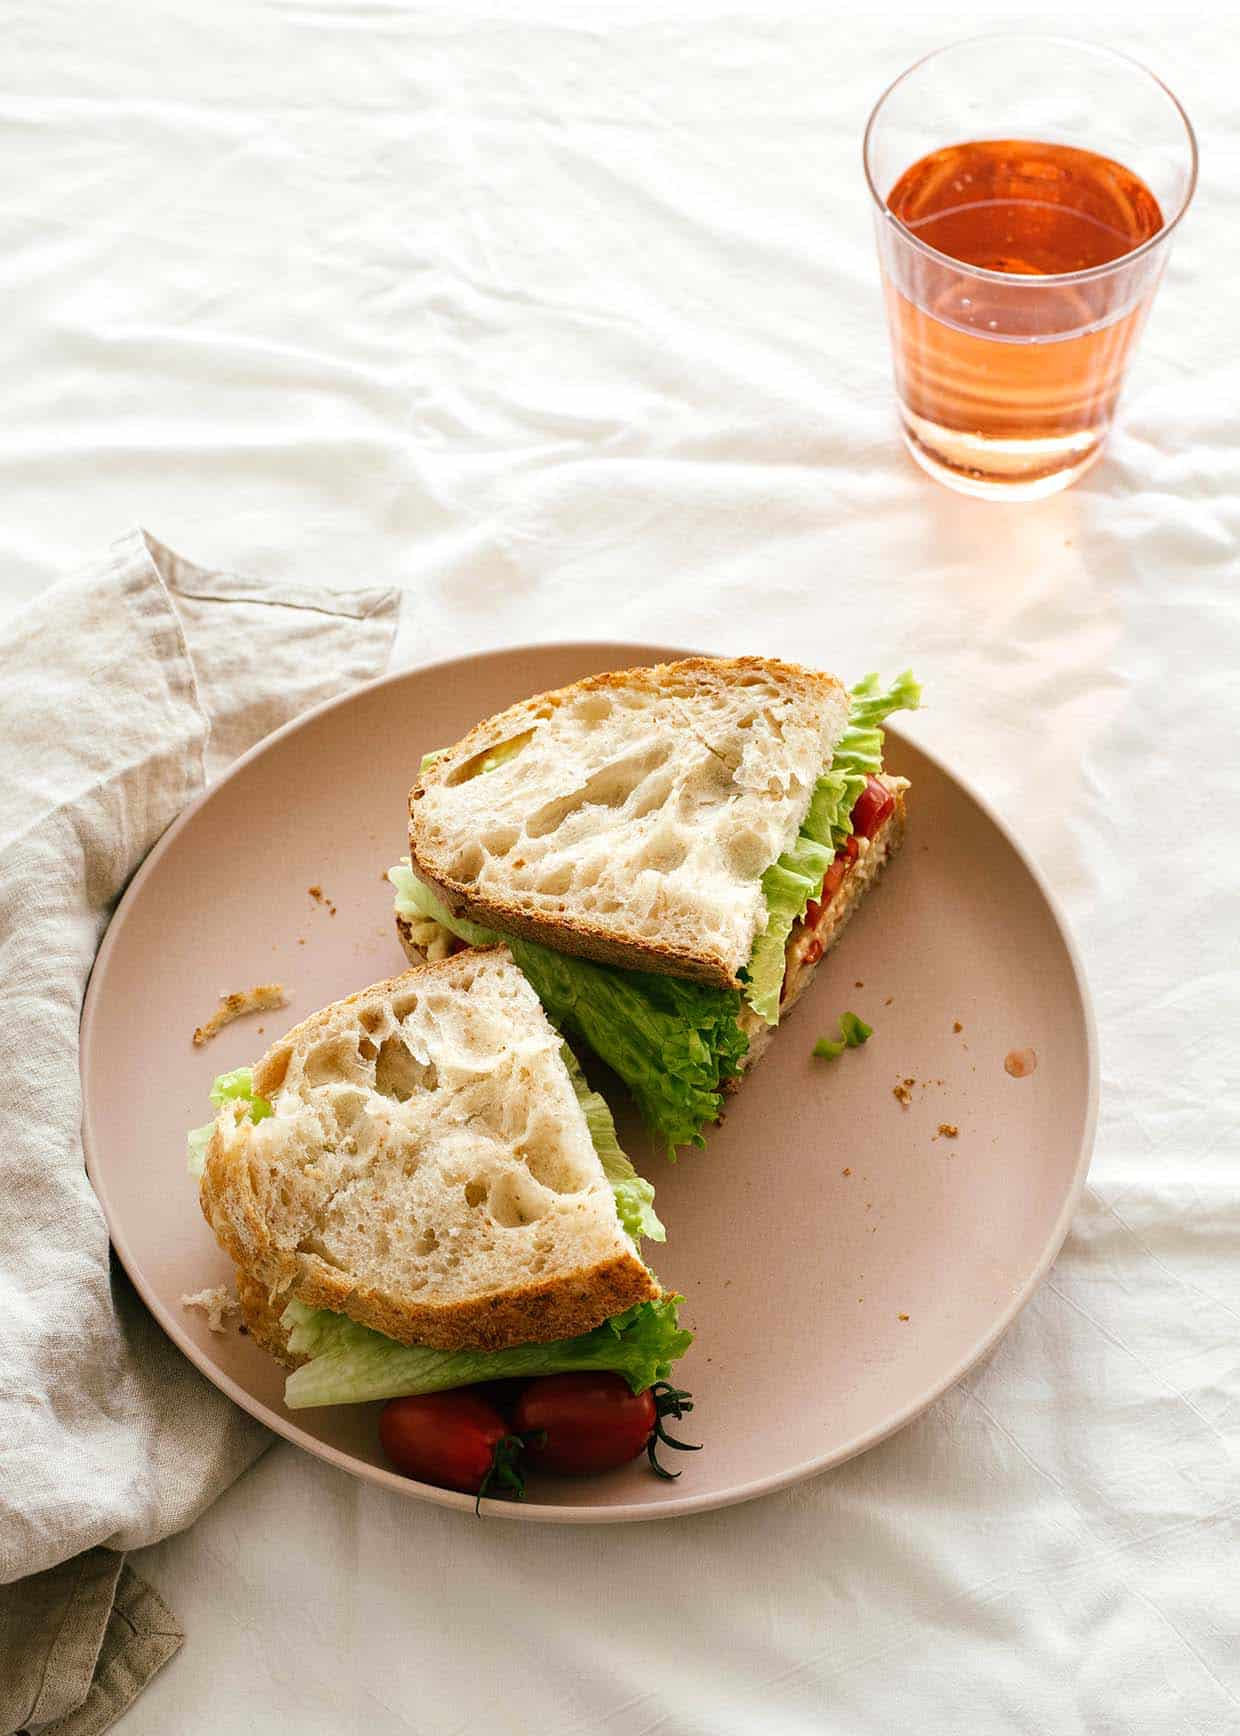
column 348, row 1105
column 334, row 1062
column 399, row 1074
column 500, row 840
column 426, row 1243
column 664, row 854
column 547, row 1164
column 609, row 787
column 276, row 1070
column 747, row 854
column 515, row 1200
column 475, row 1192
column 650, row 795
column 467, row 863
column 593, row 708
column 556, row 879
column 479, row 764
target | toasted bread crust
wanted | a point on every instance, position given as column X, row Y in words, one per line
column 261, row 1313
column 566, row 932
column 536, row 1317
column 531, row 1314
column 540, row 1316
column 535, row 1314
column 404, row 933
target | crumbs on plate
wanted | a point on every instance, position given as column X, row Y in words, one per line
column 218, row 1304
column 320, row 897
column 260, row 999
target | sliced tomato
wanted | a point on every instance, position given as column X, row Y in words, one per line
column 873, row 806
column 833, row 878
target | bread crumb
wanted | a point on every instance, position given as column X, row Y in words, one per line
column 858, row 984
column 320, row 897
column 902, row 1094
column 957, row 1026
column 889, row 1000
column 948, row 1129
column 846, row 1172
column 261, row 999
column 901, row 1316
column 218, row 1305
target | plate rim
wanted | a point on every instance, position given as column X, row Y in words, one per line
column 678, row 1506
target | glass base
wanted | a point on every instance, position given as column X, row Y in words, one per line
column 1000, row 469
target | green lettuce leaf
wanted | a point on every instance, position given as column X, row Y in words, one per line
column 634, row 1197
column 853, row 1032
column 672, row 1042
column 350, row 1364
column 196, row 1143
column 237, row 1086
column 796, row 876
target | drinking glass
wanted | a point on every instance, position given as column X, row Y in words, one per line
column 1007, row 378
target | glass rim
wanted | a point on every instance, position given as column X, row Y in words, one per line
column 1090, row 273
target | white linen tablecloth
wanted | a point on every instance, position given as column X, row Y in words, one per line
column 568, row 322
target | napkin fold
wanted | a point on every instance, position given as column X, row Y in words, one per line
column 122, row 695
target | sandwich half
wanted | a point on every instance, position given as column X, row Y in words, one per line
column 668, row 852
column 419, row 1191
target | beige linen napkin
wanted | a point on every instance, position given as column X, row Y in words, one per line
column 121, row 695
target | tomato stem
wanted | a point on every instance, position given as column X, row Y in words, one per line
column 669, row 1401
column 504, row 1469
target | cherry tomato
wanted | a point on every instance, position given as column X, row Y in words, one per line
column 591, row 1422
column 874, row 805
column 446, row 1438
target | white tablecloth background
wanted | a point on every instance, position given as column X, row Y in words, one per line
column 570, row 326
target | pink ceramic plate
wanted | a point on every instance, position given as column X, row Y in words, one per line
column 843, row 1260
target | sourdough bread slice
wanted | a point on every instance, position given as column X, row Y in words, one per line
column 426, row 1169
column 631, row 816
